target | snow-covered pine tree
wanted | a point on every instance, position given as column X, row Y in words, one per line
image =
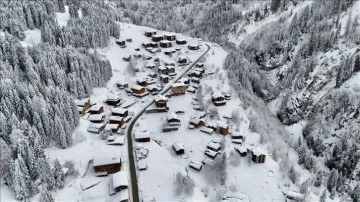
column 59, row 176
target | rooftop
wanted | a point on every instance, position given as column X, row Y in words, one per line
column 178, row 146
column 120, row 179
column 106, row 160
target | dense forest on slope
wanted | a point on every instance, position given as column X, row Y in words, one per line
column 38, row 84
column 300, row 55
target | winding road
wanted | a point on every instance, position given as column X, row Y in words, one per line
column 133, row 176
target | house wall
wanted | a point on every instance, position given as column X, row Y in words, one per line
column 111, row 168
column 141, row 91
column 178, row 90
column 143, row 139
column 101, row 110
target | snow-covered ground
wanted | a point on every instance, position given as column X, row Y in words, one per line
column 253, row 182
column 33, row 37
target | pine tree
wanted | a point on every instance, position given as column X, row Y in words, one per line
column 357, row 63
column 46, row 196
column 292, row 175
column 58, row 175
column 61, row 5
column 319, row 177
column 47, row 176
column 332, row 181
column 323, row 196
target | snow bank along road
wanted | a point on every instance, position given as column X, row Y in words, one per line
column 133, row 175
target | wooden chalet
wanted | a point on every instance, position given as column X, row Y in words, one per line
column 120, row 42
column 200, row 65
column 96, row 128
column 227, row 96
column 238, row 135
column 165, row 44
column 218, row 99
column 119, row 112
column 195, row 80
column 164, row 78
column 142, row 137
column 161, row 101
column 107, row 165
column 96, row 118
column 178, row 88
column 150, row 33
column 179, row 148
column 222, row 128
column 157, row 38
column 122, row 84
column 138, row 89
column 196, row 74
column 184, row 81
column 119, row 181
column 141, row 82
column 258, row 156
column 169, row 63
column 113, row 100
column 82, row 105
column 96, row 109
column 116, row 120
column 170, row 37
column 181, row 41
column 197, row 122
column 193, row 46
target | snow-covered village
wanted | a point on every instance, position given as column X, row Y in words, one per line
column 183, row 100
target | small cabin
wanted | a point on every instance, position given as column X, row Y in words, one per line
column 122, row 84
column 169, row 128
column 258, row 156
column 142, row 137
column 195, row 80
column 96, row 128
column 150, row 33
column 170, row 70
column 200, row 65
column 223, row 128
column 112, row 127
column 197, row 123
column 107, row 164
column 141, row 82
column 196, row 165
column 119, row 181
column 173, row 119
column 242, row 151
column 164, row 78
column 96, row 118
column 128, row 40
column 218, row 99
column 138, row 89
column 207, row 130
column 193, row 46
column 96, row 109
column 169, row 64
column 119, row 112
column 161, row 101
column 179, row 148
column 113, row 100
column 215, row 146
column 127, row 59
column 196, row 74
column 181, row 41
column 157, row 38
column 121, row 42
column 152, row 75
column 238, row 135
column 210, row 153
column 227, row 96
column 116, row 120
column 184, row 80
column 153, row 89
column 170, row 37
column 178, row 88
column 182, row 60
column 150, row 65
column 150, row 45
column 165, row 44
column 168, row 52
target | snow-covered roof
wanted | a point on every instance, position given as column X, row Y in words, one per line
column 237, row 135
column 169, row 67
column 183, row 80
column 81, row 102
column 160, row 97
column 178, row 85
column 136, row 87
column 217, row 95
column 158, row 35
column 112, row 97
column 124, row 195
column 111, row 126
column 195, row 121
column 119, row 110
column 140, row 80
column 165, row 41
column 207, row 130
column 106, row 160
column 94, row 127
column 181, row 40
column 96, row 117
column 115, row 118
column 196, row 164
column 140, row 135
column 211, row 153
column 257, row 151
column 194, row 45
column 142, row 165
column 172, row 116
column 213, row 146
column 222, row 124
column 120, row 179
column 178, row 146
column 118, row 140
column 241, row 149
column 121, row 82
column 95, row 107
